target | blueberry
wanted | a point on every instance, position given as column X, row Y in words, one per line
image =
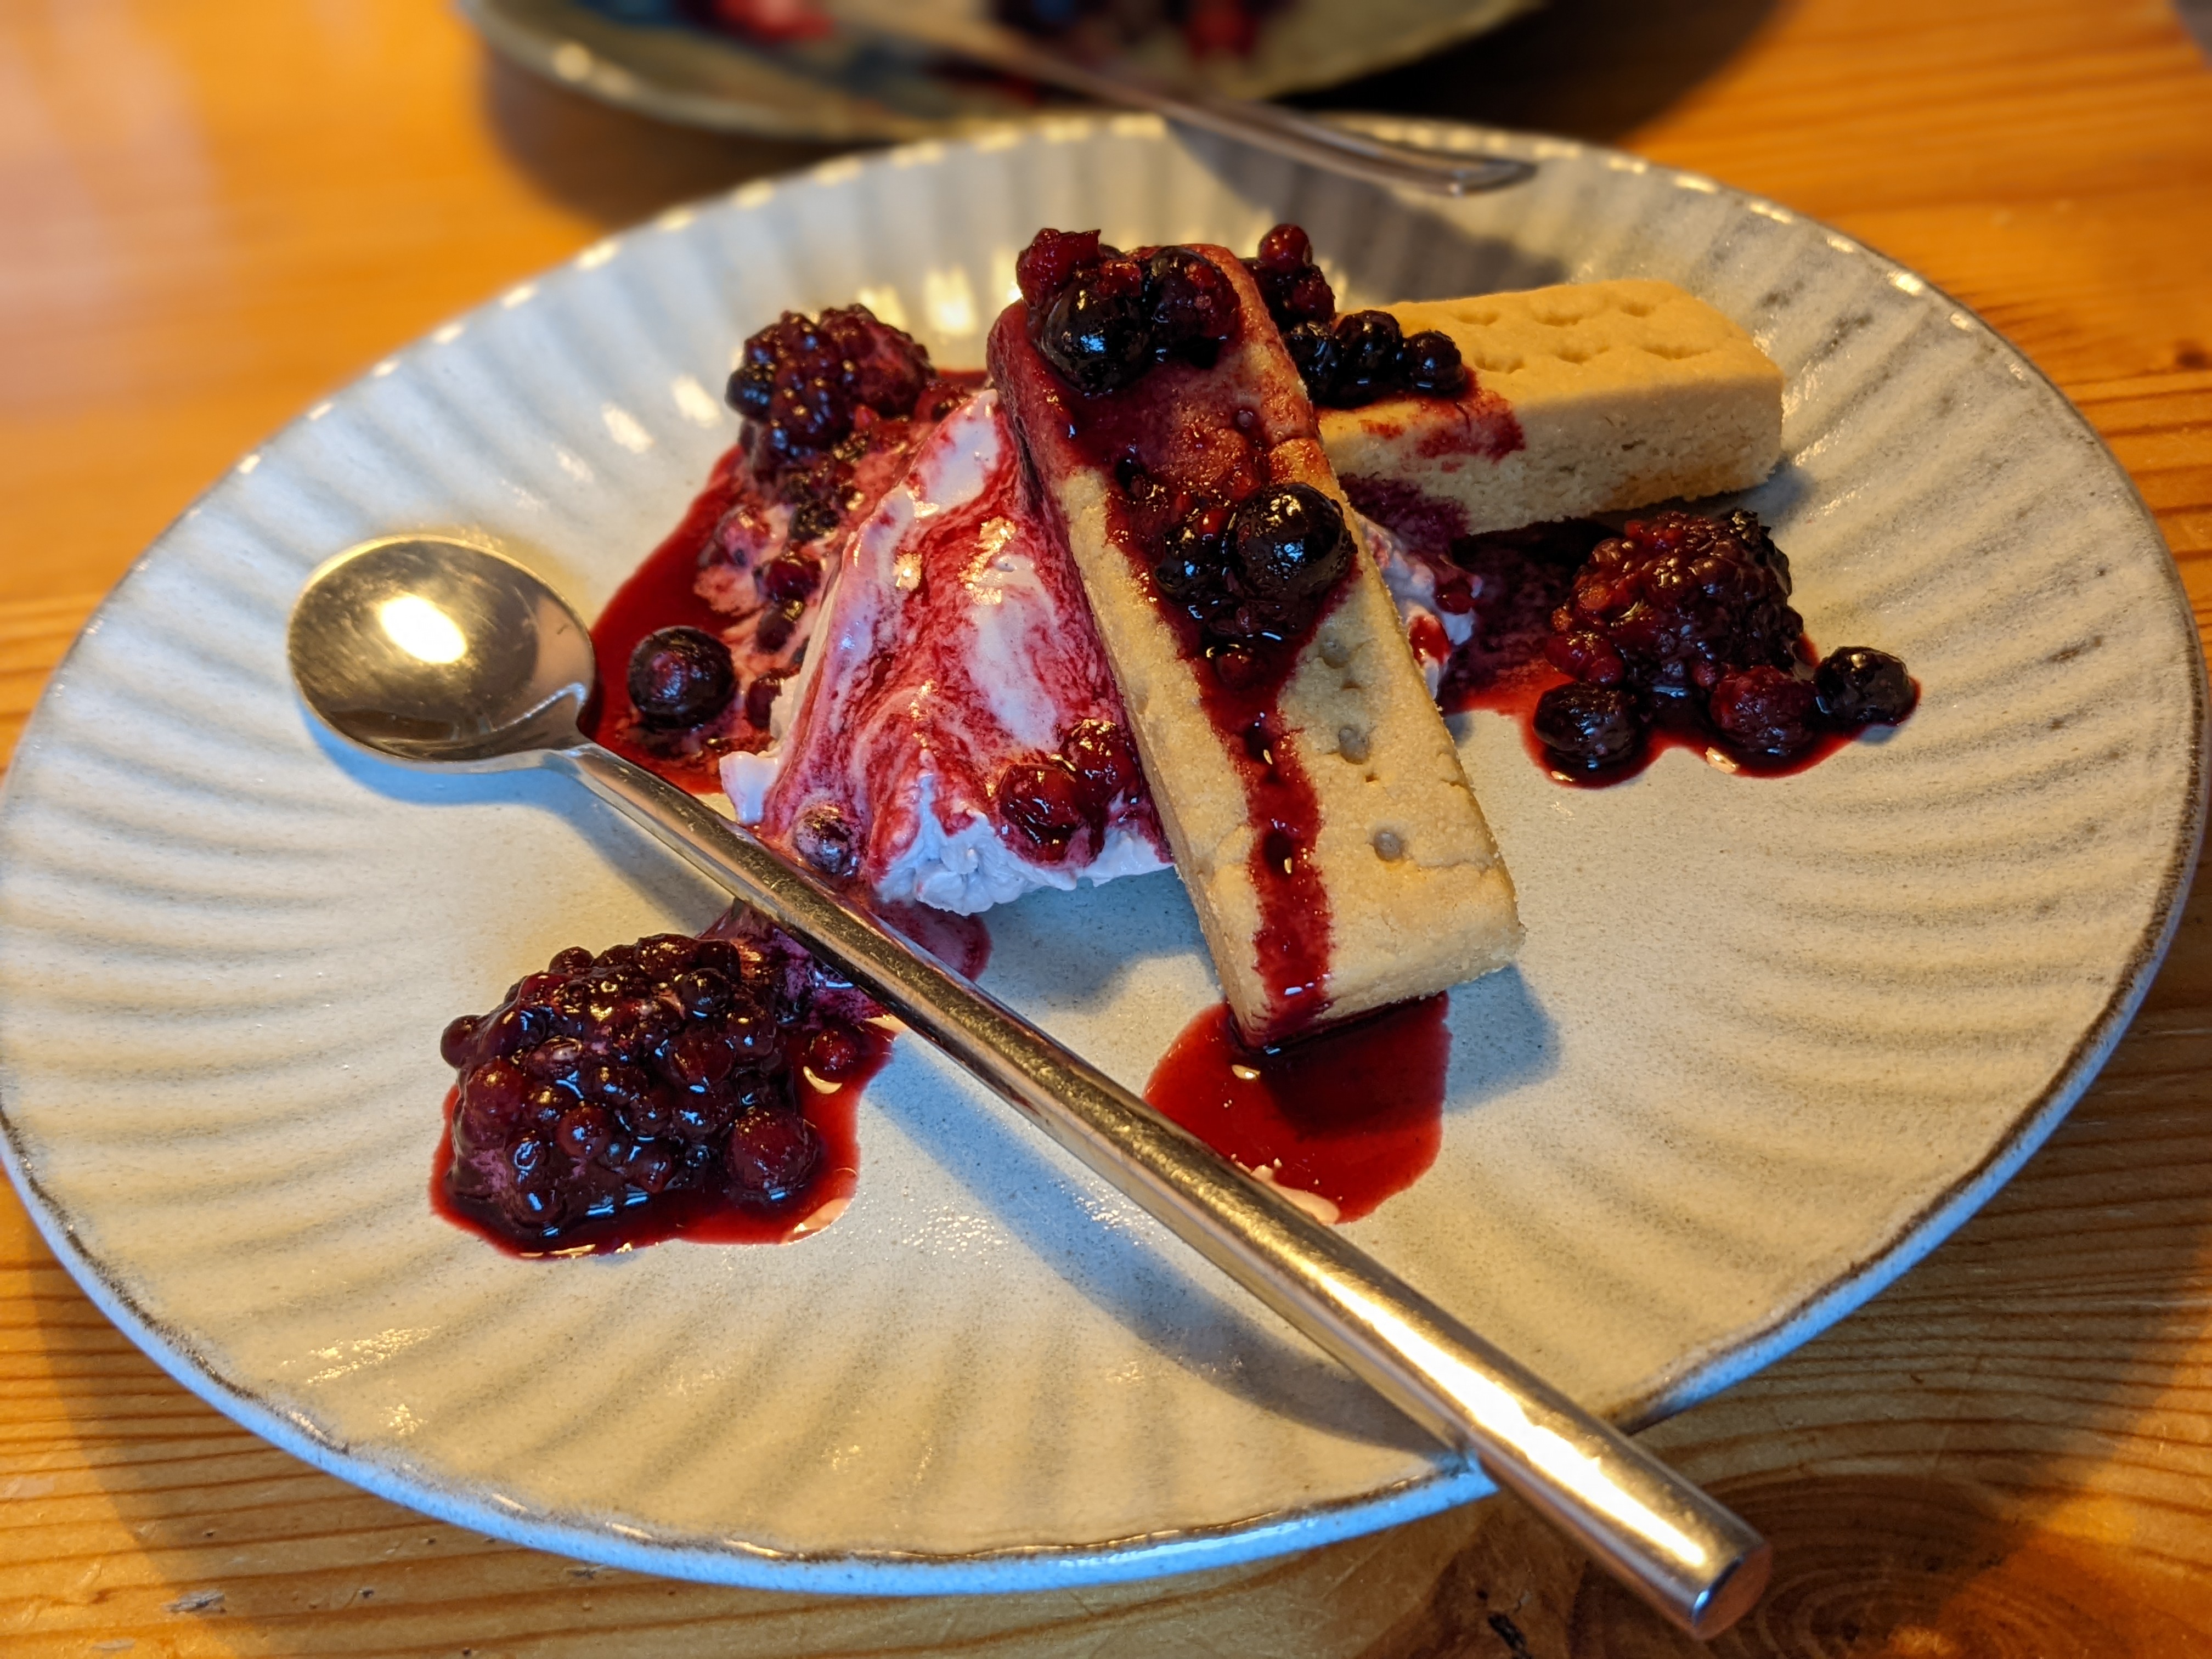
column 1193, row 307
column 1319, row 360
column 1097, row 332
column 1430, row 364
column 1587, row 727
column 828, row 840
column 772, row 1157
column 1856, row 685
column 681, row 677
column 1190, row 561
column 1290, row 542
column 1369, row 341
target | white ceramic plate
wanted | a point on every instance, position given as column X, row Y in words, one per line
column 842, row 90
column 1770, row 1040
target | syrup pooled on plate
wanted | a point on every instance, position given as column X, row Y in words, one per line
column 1340, row 1119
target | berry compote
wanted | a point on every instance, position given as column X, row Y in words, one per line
column 677, row 1086
column 1685, row 623
column 1359, row 357
column 1104, row 318
column 1673, row 629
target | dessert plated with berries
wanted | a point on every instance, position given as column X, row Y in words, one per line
column 1766, row 1040
column 947, row 642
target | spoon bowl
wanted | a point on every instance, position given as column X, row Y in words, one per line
column 436, row 654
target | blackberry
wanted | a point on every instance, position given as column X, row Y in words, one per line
column 805, row 380
column 1673, row 603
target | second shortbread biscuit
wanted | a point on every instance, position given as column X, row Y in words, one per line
column 1587, row 397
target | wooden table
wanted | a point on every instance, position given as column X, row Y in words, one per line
column 216, row 210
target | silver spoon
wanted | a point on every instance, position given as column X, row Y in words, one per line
column 440, row 655
column 1264, row 126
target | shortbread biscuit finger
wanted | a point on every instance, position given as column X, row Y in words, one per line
column 1313, row 799
column 1586, row 398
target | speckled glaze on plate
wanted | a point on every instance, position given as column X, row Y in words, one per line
column 842, row 91
column 1770, row 1041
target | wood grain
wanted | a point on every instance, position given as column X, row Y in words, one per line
column 218, row 209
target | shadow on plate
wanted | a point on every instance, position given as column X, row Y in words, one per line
column 1379, row 246
column 614, row 167
column 1101, row 1247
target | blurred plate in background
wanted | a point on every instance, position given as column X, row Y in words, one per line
column 840, row 90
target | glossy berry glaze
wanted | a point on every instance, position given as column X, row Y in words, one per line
column 703, row 1088
column 1179, row 440
column 955, row 718
column 1340, row 1119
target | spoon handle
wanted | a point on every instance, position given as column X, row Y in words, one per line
column 1690, row 1558
column 1264, row 126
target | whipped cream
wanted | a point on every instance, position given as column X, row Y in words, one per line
column 1411, row 576
column 952, row 643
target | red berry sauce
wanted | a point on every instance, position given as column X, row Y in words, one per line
column 1351, row 1115
column 663, row 593
column 1552, row 596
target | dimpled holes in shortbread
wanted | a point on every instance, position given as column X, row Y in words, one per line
column 1586, row 398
